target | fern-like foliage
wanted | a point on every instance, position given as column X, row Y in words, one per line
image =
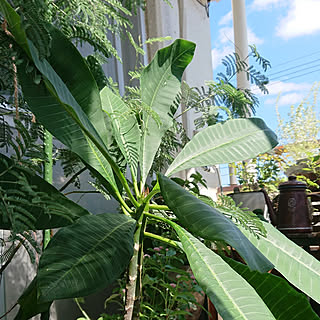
column 25, row 146
column 133, row 5
column 16, row 197
column 173, row 140
column 83, row 21
column 6, row 59
column 6, row 134
column 233, row 65
column 7, row 253
column 217, row 101
column 101, row 189
column 22, row 137
column 70, row 163
column 27, row 202
column 97, row 71
column 91, row 21
column 220, row 100
column 263, row 62
column 34, row 14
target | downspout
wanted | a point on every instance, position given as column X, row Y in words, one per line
column 241, row 48
column 47, row 175
column 240, row 39
column 181, row 35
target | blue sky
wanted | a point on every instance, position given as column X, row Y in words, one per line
column 285, row 32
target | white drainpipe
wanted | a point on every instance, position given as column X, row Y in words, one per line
column 241, row 48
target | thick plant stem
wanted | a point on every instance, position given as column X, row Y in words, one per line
column 133, row 294
column 133, row 274
column 136, row 308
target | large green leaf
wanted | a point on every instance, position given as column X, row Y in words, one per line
column 53, row 114
column 29, row 202
column 125, row 127
column 29, row 305
column 160, row 85
column 233, row 297
column 233, row 140
column 67, row 102
column 294, row 263
column 208, row 223
column 282, row 299
column 85, row 257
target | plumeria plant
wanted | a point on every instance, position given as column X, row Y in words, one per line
column 89, row 252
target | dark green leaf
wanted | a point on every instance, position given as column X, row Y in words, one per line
column 281, row 298
column 37, row 204
column 67, row 102
column 85, row 257
column 209, row 223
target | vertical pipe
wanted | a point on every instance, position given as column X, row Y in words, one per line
column 232, row 175
column 47, row 175
column 143, row 32
column 240, row 39
column 241, row 48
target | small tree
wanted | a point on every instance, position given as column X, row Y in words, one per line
column 299, row 131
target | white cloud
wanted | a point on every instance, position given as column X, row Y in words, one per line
column 226, row 19
column 276, row 87
column 302, row 19
column 259, row 5
column 287, row 99
column 218, row 54
column 285, row 93
column 226, row 35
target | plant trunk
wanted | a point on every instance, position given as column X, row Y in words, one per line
column 134, row 283
column 132, row 277
column 136, row 309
